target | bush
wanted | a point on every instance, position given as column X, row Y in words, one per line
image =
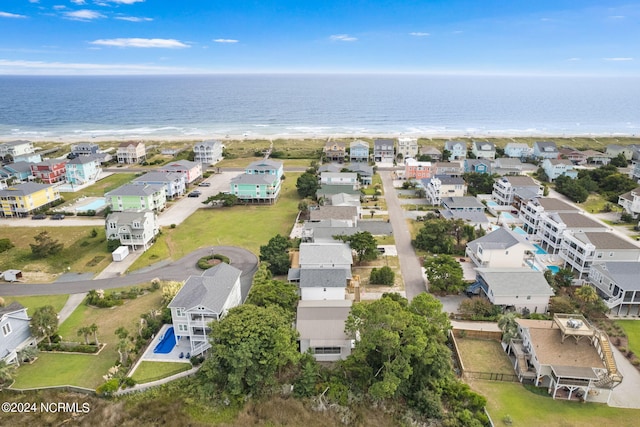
column 5, row 245
column 108, row 388
column 204, row 264
column 113, row 244
column 128, row 382
column 383, row 276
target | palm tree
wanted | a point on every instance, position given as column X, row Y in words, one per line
column 93, row 328
column 28, row 353
column 507, row 323
column 84, row 331
column 6, row 373
column 586, row 294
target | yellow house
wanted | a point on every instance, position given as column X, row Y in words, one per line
column 21, row 199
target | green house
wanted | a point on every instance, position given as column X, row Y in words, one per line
column 137, row 197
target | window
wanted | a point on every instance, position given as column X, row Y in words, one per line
column 6, row 329
column 325, row 350
column 183, row 328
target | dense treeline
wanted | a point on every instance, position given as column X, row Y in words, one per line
column 605, row 180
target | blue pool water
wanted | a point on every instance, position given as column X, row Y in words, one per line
column 520, row 231
column 93, row 206
column 507, row 215
column 539, row 250
column 168, row 342
column 491, row 203
column 554, row 268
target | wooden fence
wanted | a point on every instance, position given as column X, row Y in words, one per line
column 479, row 335
column 491, row 376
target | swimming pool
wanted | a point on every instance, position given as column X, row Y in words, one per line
column 507, row 215
column 554, row 269
column 520, row 231
column 539, row 250
column 93, row 206
column 167, row 343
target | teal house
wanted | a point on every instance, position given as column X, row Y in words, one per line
column 131, row 197
column 260, row 183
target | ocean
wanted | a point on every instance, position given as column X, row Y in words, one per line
column 197, row 107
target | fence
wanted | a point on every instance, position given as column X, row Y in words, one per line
column 68, row 388
column 480, row 335
column 491, row 376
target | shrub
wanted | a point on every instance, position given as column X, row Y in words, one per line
column 204, row 264
column 5, row 245
column 108, row 388
column 113, row 244
column 383, row 276
column 128, row 382
column 172, row 226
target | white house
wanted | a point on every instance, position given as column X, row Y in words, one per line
column 407, row 147
column 630, row 202
column 502, row 248
column 545, row 150
column 518, row 150
column 340, row 178
column 384, row 151
column 83, row 170
column 359, row 151
column 519, row 289
column 441, row 186
column 135, row 229
column 16, row 334
column 531, row 211
column 175, row 183
column 618, row 283
column 320, row 324
column 324, row 269
column 613, row 150
column 505, row 188
column 553, row 225
column 208, row 152
column 558, row 167
column 202, row 300
column 483, row 150
column 457, row 150
column 131, row 152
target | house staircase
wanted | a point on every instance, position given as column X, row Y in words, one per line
column 613, row 377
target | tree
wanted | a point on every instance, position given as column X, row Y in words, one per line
column 563, row 278
column 479, row 183
column 85, row 332
column 45, row 245
column 444, row 274
column 383, row 276
column 5, row 245
column 93, row 328
column 6, row 373
column 250, row 346
column 307, row 185
column 276, row 255
column 478, row 308
column 44, row 322
column 435, row 237
column 226, row 199
column 619, row 161
column 507, row 323
column 266, row 292
column 571, row 188
column 363, row 243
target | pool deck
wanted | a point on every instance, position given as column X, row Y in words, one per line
column 182, row 346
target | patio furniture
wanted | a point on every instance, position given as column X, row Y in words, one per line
column 181, row 355
column 188, row 356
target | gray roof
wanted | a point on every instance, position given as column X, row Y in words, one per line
column 502, row 238
column 160, row 177
column 380, row 143
column 574, row 372
column 323, row 320
column 361, row 168
column 605, row 240
column 345, row 199
column 468, row 216
column 624, row 274
column 520, row 181
column 461, row 202
column 211, row 143
column 359, row 143
column 11, row 308
column 450, row 144
column 324, row 277
column 555, row 205
column 430, row 150
column 576, row 220
column 179, row 164
column 334, row 212
column 135, row 190
column 348, row 175
column 325, row 254
column 265, row 164
column 481, row 144
column 20, row 167
column 211, row 290
column 80, row 160
column 446, row 180
column 508, row 162
column 526, row 193
column 254, row 179
column 559, row 162
column 515, row 281
column 127, row 217
column 23, row 189
column 331, row 167
column 546, row 146
column 629, row 195
column 329, row 190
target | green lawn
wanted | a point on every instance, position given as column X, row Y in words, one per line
column 246, row 226
column 81, row 253
column 632, row 329
column 484, row 356
column 99, row 188
column 33, row 302
column 595, row 203
column 529, row 409
column 86, row 370
column 152, row 371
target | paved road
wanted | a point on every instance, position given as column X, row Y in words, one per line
column 176, row 270
column 409, row 265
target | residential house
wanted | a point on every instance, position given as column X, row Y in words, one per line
column 576, row 157
column 545, row 150
column 192, row 170
column 82, row 170
column 256, row 188
column 630, row 202
column 20, row 200
column 520, row 289
column 483, row 150
column 12, row 149
column 384, row 151
column 414, row 169
column 466, row 203
column 635, row 170
column 134, row 229
column 348, row 214
column 84, row 149
column 505, row 188
column 323, row 270
column 477, row 166
column 335, row 151
column 553, row 225
column 359, row 151
column 507, row 166
column 20, row 171
column 502, row 248
column 613, row 150
column 344, row 199
column 579, row 250
column 474, row 218
column 50, row 171
column 320, row 324
column 16, row 334
column 340, row 178
column 576, row 370
column 518, row 150
column 530, row 212
column 407, row 147
column 137, row 197
column 619, row 286
column 208, row 152
column 202, row 300
column 325, row 231
column 457, row 150
column 441, row 186
column 364, row 171
column 174, row 183
column 131, row 152
column 265, row 167
column 558, row 167
column 328, row 191
column 433, row 152
column 596, row 157
column 448, row 168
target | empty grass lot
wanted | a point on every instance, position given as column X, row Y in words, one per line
column 632, row 329
column 248, row 227
column 34, row 302
column 82, row 370
column 152, row 371
column 483, row 356
column 529, row 409
column 81, row 253
column 99, row 188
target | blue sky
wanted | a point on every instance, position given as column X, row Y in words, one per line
column 558, row 37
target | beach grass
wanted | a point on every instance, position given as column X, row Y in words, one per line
column 81, row 252
column 82, row 370
column 596, row 203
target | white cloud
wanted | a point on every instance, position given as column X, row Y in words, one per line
column 133, row 19
column 574, row 59
column 419, row 34
column 62, row 68
column 124, row 1
column 139, row 42
column 83, row 15
column 617, row 17
column 59, row 7
column 457, row 32
column 78, row 2
column 11, row 15
column 226, row 41
column 342, row 38
column 619, row 59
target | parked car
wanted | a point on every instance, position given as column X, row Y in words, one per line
column 57, row 216
column 204, row 184
column 39, row 216
column 194, row 194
